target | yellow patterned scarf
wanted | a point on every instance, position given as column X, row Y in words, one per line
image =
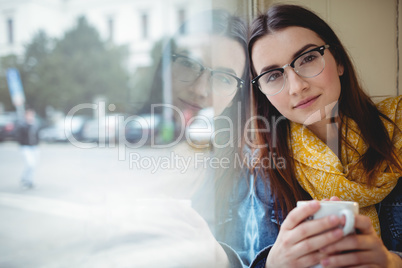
column 322, row 174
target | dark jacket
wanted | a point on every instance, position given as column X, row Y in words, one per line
column 250, row 228
column 27, row 134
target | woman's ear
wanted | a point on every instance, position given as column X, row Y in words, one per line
column 340, row 70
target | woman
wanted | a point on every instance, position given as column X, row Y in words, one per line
column 221, row 40
column 306, row 89
column 204, row 66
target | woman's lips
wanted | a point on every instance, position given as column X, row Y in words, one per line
column 306, row 103
column 191, row 105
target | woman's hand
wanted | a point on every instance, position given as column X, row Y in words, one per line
column 299, row 241
column 362, row 249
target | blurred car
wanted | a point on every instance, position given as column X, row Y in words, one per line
column 8, row 126
column 105, row 130
column 64, row 129
column 144, row 126
column 199, row 132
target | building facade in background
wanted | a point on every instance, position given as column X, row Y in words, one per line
column 136, row 23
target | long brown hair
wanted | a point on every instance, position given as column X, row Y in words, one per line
column 353, row 103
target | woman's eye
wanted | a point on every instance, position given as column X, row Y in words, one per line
column 272, row 77
column 223, row 79
column 308, row 58
column 188, row 64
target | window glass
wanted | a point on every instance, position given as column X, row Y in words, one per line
column 118, row 119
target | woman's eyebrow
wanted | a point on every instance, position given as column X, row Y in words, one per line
column 304, row 48
column 270, row 67
column 297, row 53
column 187, row 53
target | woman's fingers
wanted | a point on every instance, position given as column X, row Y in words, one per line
column 362, row 248
column 299, row 214
column 349, row 259
column 319, row 241
column 305, row 241
column 349, row 243
column 369, row 252
column 298, row 229
column 299, row 241
column 307, row 261
column 363, row 225
column 311, row 236
column 352, row 242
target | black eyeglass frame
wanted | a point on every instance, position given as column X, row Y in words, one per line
column 240, row 82
column 320, row 49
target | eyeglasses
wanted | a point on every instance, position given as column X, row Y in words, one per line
column 188, row 70
column 309, row 64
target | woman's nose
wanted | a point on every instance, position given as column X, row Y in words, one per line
column 295, row 82
column 201, row 86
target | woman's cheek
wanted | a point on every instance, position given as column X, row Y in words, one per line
column 279, row 101
column 220, row 103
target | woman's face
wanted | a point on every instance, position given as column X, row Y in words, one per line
column 218, row 53
column 302, row 100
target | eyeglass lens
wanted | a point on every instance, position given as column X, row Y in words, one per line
column 188, row 70
column 307, row 65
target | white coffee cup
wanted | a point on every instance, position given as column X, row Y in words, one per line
column 346, row 208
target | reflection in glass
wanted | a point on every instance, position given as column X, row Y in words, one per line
column 156, row 141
